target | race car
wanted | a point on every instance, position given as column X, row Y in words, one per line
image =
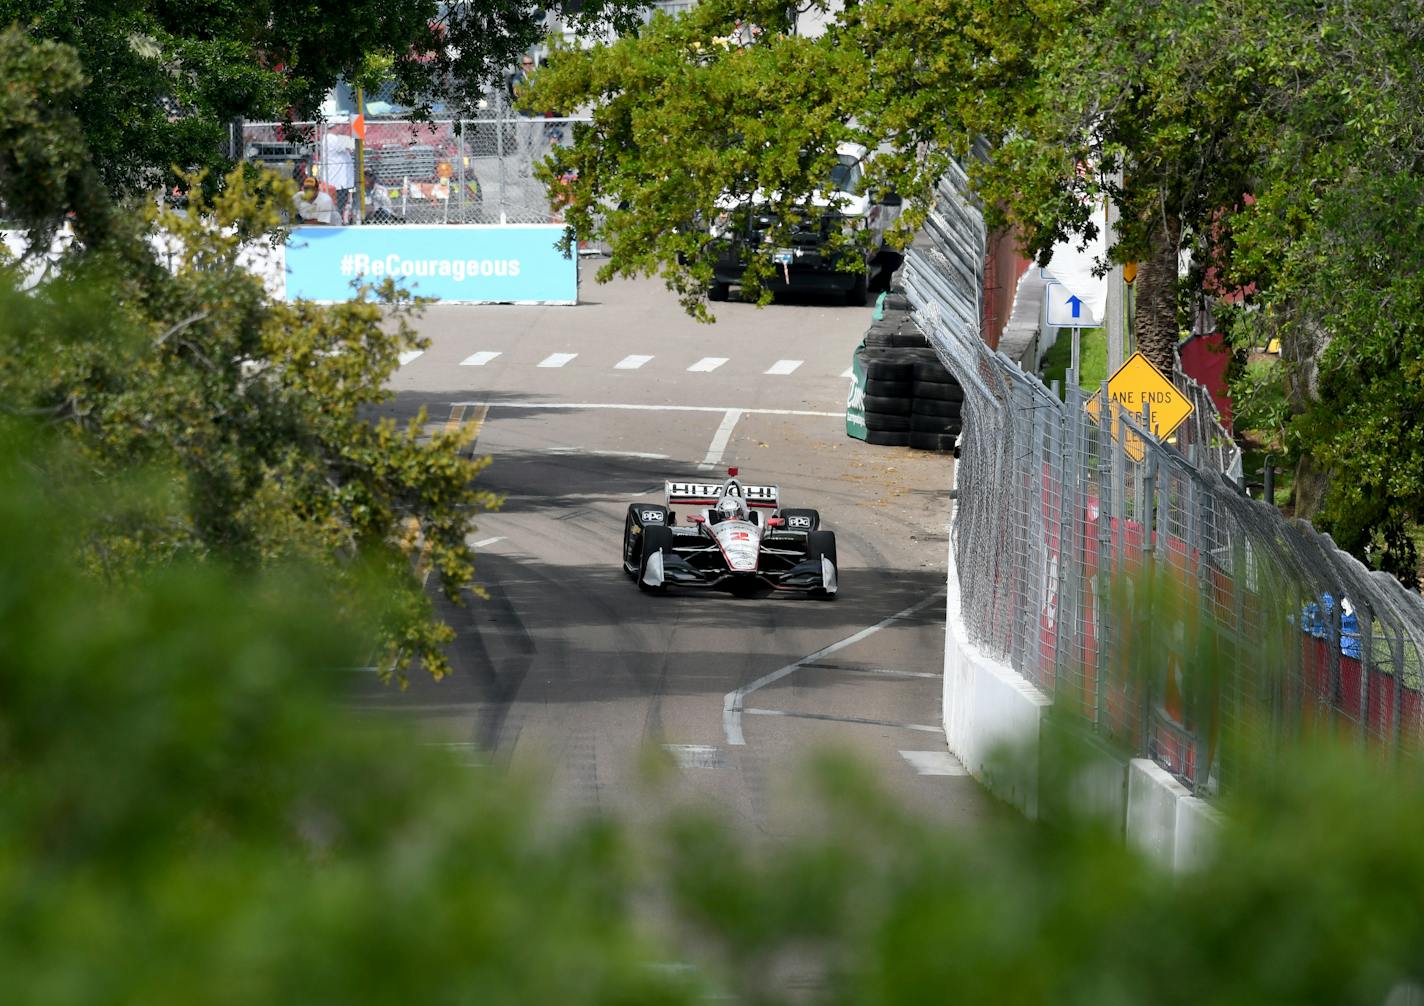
column 737, row 538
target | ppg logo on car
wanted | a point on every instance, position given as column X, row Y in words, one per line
column 798, row 522
column 652, row 516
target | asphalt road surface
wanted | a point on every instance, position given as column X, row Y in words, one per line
column 568, row 670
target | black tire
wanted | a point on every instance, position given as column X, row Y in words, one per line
column 875, row 339
column 655, row 539
column 800, row 514
column 890, row 389
column 887, row 438
column 857, row 295
column 818, row 544
column 934, row 424
column 932, row 370
column 878, row 368
column 886, row 422
column 937, row 391
column 889, row 405
column 943, row 442
column 719, row 291
column 910, row 338
column 896, row 300
column 629, row 558
column 936, row 407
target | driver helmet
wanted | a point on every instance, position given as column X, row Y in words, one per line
column 731, row 508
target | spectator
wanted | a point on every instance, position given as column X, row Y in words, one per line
column 313, row 205
column 378, row 202
column 518, row 81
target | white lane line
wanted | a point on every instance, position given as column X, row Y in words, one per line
column 631, row 362
column 849, row 372
column 556, row 359
column 410, row 355
column 733, row 702
column 628, row 407
column 643, row 455
column 718, row 447
column 934, row 763
column 783, row 367
column 696, row 755
column 923, row 728
column 886, row 671
column 479, row 359
column 486, row 542
column 707, row 364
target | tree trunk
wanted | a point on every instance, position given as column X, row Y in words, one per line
column 1311, row 483
column 1155, row 327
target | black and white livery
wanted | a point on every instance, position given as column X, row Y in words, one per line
column 737, row 537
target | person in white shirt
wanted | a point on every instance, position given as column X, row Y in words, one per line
column 313, row 205
column 379, row 209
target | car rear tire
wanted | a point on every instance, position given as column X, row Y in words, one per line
column 813, row 516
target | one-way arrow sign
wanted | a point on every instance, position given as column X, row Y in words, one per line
column 1062, row 308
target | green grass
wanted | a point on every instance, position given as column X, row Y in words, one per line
column 1093, row 350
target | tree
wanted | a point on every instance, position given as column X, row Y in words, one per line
column 253, row 414
column 1242, row 135
column 172, row 77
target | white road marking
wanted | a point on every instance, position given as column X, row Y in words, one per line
column 696, row 755
column 924, row 728
column 486, row 542
column 631, row 362
column 627, row 407
column 556, row 359
column 479, row 359
column 733, row 702
column 718, row 447
column 783, row 367
column 644, row 455
column 849, row 372
column 934, row 763
column 410, row 355
column 707, row 364
column 891, row 672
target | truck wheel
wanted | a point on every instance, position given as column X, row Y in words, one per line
column 858, row 294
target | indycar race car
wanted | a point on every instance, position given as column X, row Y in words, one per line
column 737, row 538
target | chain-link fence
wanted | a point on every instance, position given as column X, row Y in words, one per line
column 1136, row 580
column 471, row 171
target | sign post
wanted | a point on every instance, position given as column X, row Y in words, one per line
column 1138, row 385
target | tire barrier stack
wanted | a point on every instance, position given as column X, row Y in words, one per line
column 904, row 394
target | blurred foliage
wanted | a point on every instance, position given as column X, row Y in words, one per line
column 187, row 816
column 159, row 349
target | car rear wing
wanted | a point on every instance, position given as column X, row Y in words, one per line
column 708, row 493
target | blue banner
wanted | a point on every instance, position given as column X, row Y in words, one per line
column 470, row 263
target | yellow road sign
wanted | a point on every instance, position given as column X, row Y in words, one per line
column 1135, row 383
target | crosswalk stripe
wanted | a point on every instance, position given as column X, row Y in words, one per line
column 707, row 364
column 631, row 362
column 783, row 367
column 409, row 355
column 479, row 359
column 557, row 359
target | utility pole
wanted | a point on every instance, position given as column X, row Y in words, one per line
column 1113, row 313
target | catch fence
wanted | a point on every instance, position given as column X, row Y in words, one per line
column 469, row 171
column 1245, row 625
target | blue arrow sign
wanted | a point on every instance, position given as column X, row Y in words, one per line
column 1076, row 305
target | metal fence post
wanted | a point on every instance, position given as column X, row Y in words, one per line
column 1364, row 621
column 1107, row 466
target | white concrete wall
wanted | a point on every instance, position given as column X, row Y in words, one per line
column 988, row 707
